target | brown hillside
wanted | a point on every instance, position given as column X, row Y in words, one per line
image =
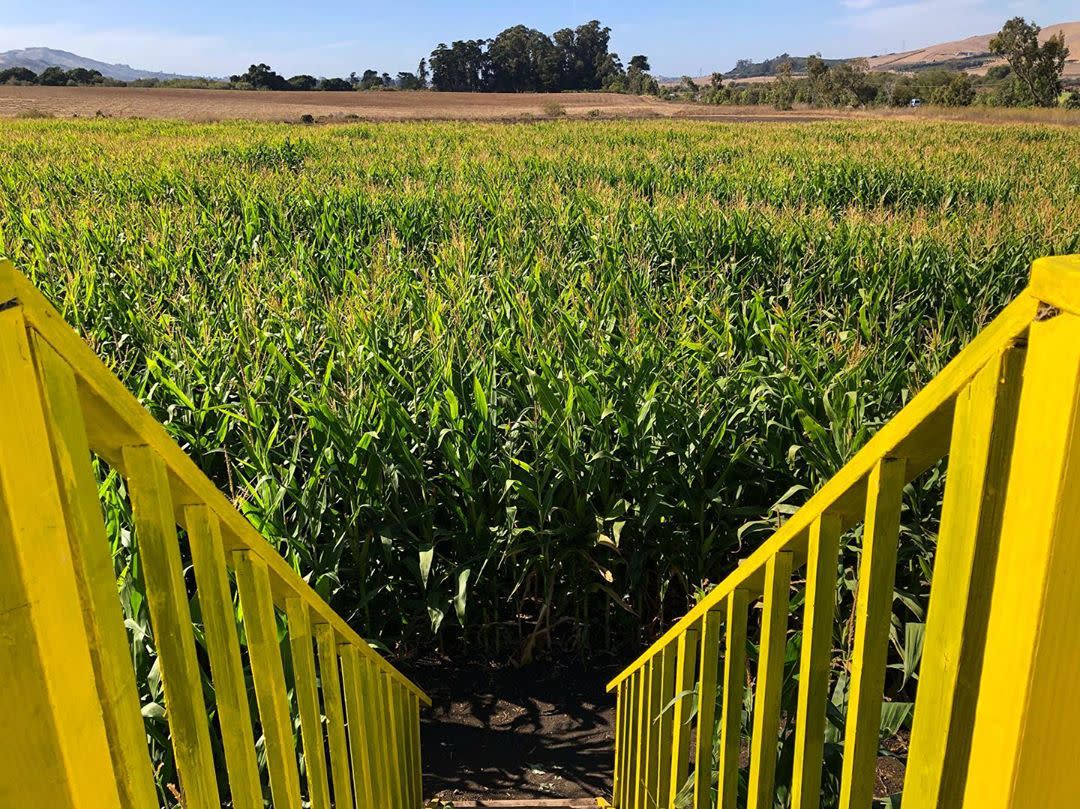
column 978, row 46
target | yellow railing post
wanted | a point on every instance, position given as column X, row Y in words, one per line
column 703, row 754
column 685, row 671
column 873, row 615
column 770, row 675
column 54, row 750
column 979, row 455
column 738, row 607
column 818, row 612
column 170, row 616
column 92, row 560
column 1025, row 750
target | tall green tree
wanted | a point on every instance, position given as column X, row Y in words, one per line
column 1038, row 67
column 523, row 60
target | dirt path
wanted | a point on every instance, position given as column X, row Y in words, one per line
column 497, row 733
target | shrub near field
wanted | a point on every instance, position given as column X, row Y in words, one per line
column 530, row 385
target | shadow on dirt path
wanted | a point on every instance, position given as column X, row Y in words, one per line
column 494, row 732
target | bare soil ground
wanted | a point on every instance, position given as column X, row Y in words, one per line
column 543, row 731
column 223, row 105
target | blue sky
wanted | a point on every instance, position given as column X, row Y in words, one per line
column 333, row 38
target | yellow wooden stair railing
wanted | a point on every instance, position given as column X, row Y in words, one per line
column 71, row 731
column 997, row 708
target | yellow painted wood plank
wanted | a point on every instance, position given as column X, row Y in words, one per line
column 359, row 737
column 92, row 561
column 382, row 742
column 685, row 677
column 302, row 647
column 652, row 753
column 706, row 717
column 641, row 761
column 665, row 726
column 410, row 751
column 223, row 647
column 919, row 433
column 416, row 791
column 1056, row 280
column 620, row 743
column 1025, row 750
column 819, row 610
column 738, row 612
column 397, row 728
column 115, row 419
column 964, row 563
column 330, row 680
column 170, row 616
column 54, row 749
column 626, row 789
column 378, row 691
column 770, row 677
column 267, row 671
column 873, row 615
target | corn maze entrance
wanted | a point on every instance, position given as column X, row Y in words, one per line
column 746, row 701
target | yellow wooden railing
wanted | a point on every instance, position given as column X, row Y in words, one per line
column 998, row 698
column 71, row 730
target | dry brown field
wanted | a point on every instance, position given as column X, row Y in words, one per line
column 231, row 105
column 222, row 105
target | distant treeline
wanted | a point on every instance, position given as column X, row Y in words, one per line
column 524, row 60
column 852, row 84
column 518, row 60
column 749, row 69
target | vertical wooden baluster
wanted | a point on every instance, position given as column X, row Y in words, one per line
column 684, row 685
column 418, row 768
column 982, row 442
column 816, row 656
column 629, row 753
column 260, row 625
column 703, row 754
column 652, row 754
column 665, row 724
column 375, row 719
column 302, row 647
column 620, row 717
column 383, row 742
column 738, row 611
column 223, row 647
column 166, row 596
column 642, row 758
column 873, row 615
column 392, row 728
column 1025, row 749
column 411, row 711
column 102, row 614
column 49, row 705
column 403, row 722
column 359, row 736
column 330, row 679
column 770, row 678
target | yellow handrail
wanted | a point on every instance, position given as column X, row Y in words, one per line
column 73, row 734
column 1005, row 411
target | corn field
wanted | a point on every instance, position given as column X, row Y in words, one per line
column 514, row 388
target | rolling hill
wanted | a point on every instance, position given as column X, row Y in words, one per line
column 37, row 59
column 973, row 54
